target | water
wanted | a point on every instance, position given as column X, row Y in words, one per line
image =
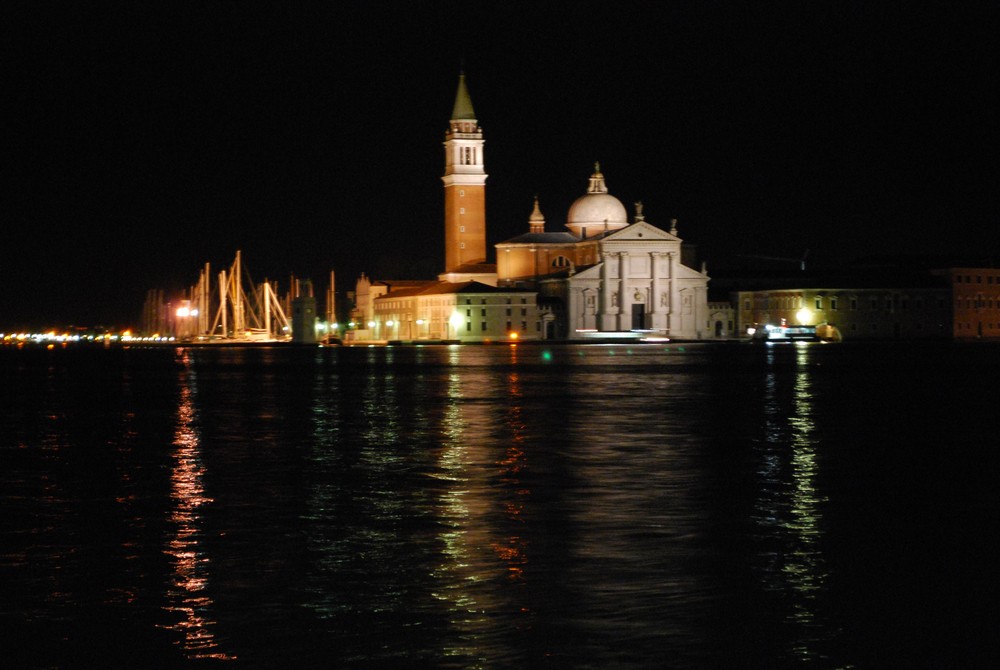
column 567, row 506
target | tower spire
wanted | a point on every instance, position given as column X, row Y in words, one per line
column 463, row 103
column 464, row 185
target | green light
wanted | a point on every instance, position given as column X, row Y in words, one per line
column 546, row 355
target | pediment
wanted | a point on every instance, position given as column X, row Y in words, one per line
column 640, row 232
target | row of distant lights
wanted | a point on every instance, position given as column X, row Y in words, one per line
column 53, row 337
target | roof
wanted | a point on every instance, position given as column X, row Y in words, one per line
column 397, row 284
column 463, row 103
column 543, row 238
column 447, row 288
column 474, row 269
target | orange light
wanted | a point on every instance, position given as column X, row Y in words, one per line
column 513, row 336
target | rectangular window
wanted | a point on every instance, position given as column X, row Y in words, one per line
column 746, row 305
column 461, row 229
column 524, row 325
column 508, row 326
column 819, row 303
column 468, row 312
column 833, row 303
column 483, row 312
column 484, row 325
column 461, row 210
column 468, row 326
column 524, row 312
column 854, row 304
column 508, row 311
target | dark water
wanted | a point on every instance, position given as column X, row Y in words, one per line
column 669, row 506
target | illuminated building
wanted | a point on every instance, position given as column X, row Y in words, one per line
column 892, row 303
column 603, row 277
column 975, row 296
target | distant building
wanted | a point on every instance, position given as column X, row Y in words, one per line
column 603, row 277
column 856, row 312
column 891, row 303
column 975, row 296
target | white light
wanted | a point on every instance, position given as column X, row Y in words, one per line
column 389, row 323
column 371, row 324
column 183, row 311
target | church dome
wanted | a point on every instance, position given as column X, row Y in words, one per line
column 591, row 213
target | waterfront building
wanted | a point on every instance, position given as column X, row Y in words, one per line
column 850, row 313
column 975, row 297
column 603, row 277
column 606, row 277
column 891, row 302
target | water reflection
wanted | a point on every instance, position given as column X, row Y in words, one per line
column 187, row 593
column 456, row 571
column 513, row 550
column 788, row 508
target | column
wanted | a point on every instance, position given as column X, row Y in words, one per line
column 654, row 258
column 622, row 274
column 670, row 290
column 604, row 293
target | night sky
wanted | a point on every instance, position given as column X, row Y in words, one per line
column 144, row 139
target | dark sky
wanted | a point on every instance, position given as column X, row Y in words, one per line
column 144, row 139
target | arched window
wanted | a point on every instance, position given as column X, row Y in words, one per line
column 560, row 262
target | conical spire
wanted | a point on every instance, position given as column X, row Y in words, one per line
column 536, row 222
column 463, row 103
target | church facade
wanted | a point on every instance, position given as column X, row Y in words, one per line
column 602, row 277
column 605, row 276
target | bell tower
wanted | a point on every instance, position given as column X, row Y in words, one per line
column 464, row 186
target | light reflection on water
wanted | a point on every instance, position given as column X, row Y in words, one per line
column 187, row 591
column 788, row 509
column 504, row 506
